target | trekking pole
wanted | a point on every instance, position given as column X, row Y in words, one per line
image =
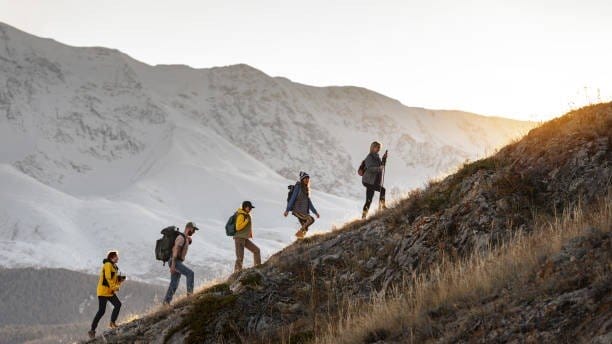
column 382, row 181
column 381, row 204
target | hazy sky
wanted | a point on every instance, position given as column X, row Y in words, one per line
column 518, row 58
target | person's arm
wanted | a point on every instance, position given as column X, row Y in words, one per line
column 312, row 208
column 176, row 250
column 241, row 222
column 293, row 198
column 112, row 282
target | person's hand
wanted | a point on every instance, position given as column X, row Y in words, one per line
column 285, row 213
column 172, row 270
column 318, row 216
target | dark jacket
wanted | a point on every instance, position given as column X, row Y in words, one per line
column 373, row 172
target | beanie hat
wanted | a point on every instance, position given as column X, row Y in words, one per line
column 303, row 175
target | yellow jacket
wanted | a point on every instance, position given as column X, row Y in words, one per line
column 243, row 225
column 108, row 283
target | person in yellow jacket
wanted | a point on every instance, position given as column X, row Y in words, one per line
column 108, row 284
column 244, row 232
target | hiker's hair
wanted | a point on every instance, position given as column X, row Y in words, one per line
column 373, row 145
column 111, row 254
column 305, row 186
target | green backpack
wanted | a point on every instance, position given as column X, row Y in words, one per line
column 230, row 226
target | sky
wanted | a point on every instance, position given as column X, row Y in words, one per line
column 525, row 59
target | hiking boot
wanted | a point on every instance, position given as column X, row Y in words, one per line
column 382, row 205
column 92, row 334
column 112, row 325
column 300, row 234
column 364, row 214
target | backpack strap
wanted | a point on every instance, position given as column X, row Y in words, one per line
column 184, row 241
column 104, row 280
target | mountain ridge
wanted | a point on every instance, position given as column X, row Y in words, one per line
column 99, row 147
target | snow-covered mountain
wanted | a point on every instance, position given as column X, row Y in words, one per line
column 99, row 151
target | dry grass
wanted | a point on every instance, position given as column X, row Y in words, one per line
column 405, row 311
column 160, row 310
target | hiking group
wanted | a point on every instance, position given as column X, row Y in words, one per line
column 172, row 248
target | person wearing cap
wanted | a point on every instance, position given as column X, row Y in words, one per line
column 177, row 265
column 108, row 284
column 300, row 204
column 244, row 232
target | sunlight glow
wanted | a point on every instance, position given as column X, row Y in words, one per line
column 522, row 59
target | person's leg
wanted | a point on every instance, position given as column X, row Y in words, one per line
column 239, row 243
column 303, row 221
column 381, row 202
column 116, row 308
column 368, row 201
column 309, row 221
column 300, row 218
column 256, row 252
column 101, row 309
column 174, row 282
column 184, row 270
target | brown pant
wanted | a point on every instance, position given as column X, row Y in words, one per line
column 305, row 220
column 241, row 243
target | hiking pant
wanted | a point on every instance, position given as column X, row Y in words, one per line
column 102, row 308
column 370, row 189
column 181, row 269
column 241, row 244
column 305, row 220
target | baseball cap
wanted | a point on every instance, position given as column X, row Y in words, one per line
column 247, row 204
column 192, row 225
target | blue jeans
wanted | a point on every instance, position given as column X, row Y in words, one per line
column 181, row 269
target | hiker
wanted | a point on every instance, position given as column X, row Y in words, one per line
column 108, row 284
column 176, row 263
column 300, row 204
column 372, row 177
column 244, row 232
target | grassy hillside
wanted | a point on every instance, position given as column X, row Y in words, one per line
column 550, row 285
column 483, row 219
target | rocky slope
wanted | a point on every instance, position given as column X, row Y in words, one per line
column 567, row 299
column 297, row 291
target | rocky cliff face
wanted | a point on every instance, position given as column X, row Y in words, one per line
column 558, row 165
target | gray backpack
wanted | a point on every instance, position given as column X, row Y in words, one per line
column 230, row 226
